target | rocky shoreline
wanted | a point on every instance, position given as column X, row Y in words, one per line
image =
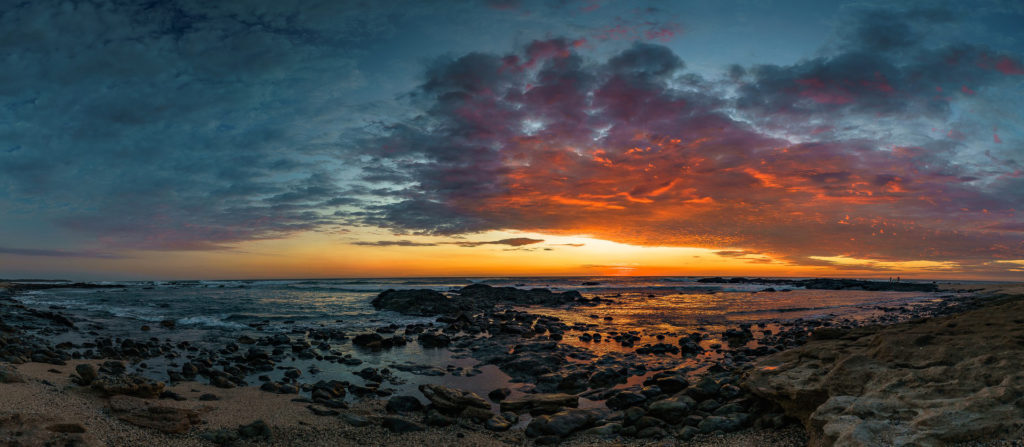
column 680, row 389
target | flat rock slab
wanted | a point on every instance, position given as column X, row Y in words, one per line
column 153, row 415
column 541, row 403
column 29, row 429
column 929, row 383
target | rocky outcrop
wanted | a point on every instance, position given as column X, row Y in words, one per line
column 829, row 284
column 928, row 383
column 416, row 302
column 474, row 297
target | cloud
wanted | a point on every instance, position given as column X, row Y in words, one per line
column 401, row 243
column 58, row 253
column 179, row 124
column 513, row 242
column 830, row 156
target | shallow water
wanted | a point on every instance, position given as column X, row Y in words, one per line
column 212, row 313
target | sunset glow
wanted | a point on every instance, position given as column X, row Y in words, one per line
column 587, row 138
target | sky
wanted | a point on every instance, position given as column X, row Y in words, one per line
column 264, row 139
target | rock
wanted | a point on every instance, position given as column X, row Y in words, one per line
column 424, row 302
column 221, row 381
column 669, row 382
column 18, row 429
column 221, row 436
column 429, row 340
column 208, row 397
column 687, row 433
column 403, row 404
column 355, row 420
column 477, row 414
column 498, row 423
column 652, row 433
column 608, row 430
column 673, row 409
column 436, row 419
column 606, row 377
column 370, row 340
column 705, row 388
column 143, row 413
column 452, row 400
column 499, row 394
column 877, row 383
column 547, row 440
column 86, row 374
column 10, row 375
column 136, row 386
column 625, row 399
column 562, row 423
column 712, row 424
column 320, row 411
column 399, row 425
column 632, row 414
column 540, row 403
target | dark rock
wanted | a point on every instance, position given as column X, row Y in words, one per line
column 498, row 423
column 319, row 411
column 208, row 397
column 415, row 302
column 452, row 400
column 86, row 374
column 429, row 340
column 142, row 413
column 370, row 340
column 256, row 430
column 720, row 423
column 355, row 420
column 399, row 425
column 499, row 394
column 129, row 386
column 221, row 381
column 220, row 437
column 562, row 423
column 540, row 403
column 436, row 419
column 10, row 375
column 652, row 433
column 403, row 404
column 673, row 409
column 625, row 399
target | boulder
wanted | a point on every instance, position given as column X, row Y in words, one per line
column 452, row 400
column 562, row 423
column 86, row 374
column 403, row 404
column 673, row 409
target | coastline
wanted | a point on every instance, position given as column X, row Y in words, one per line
column 44, row 398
